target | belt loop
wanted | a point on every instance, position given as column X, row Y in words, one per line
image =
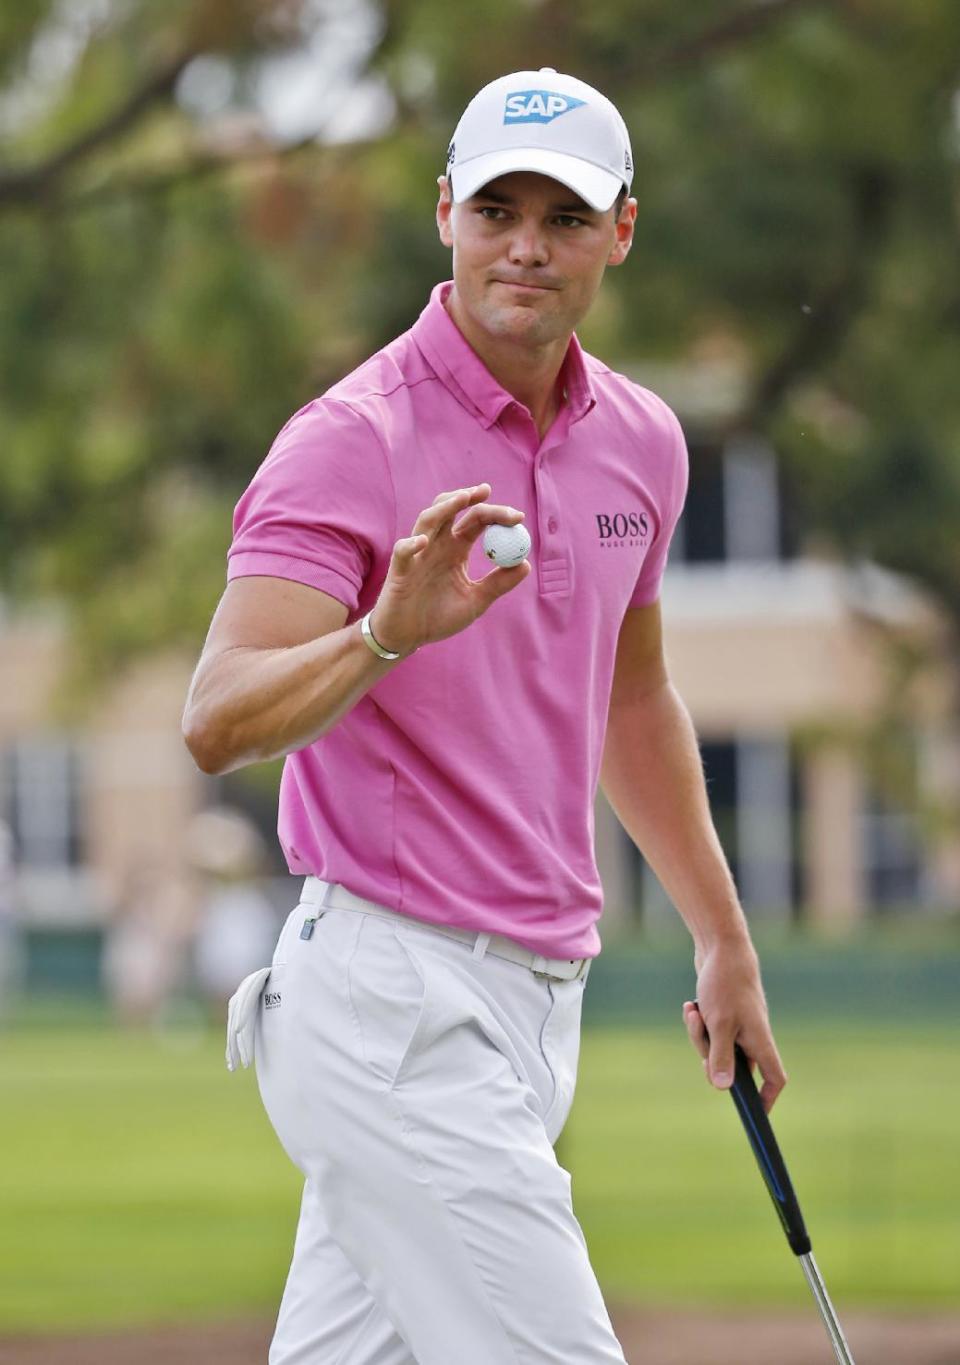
column 310, row 885
column 480, row 947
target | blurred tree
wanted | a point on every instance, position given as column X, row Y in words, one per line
column 210, row 209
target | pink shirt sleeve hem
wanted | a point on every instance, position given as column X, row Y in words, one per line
column 256, row 563
column 646, row 598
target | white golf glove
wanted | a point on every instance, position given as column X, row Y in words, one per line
column 242, row 1019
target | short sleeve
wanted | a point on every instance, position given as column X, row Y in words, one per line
column 671, row 461
column 320, row 509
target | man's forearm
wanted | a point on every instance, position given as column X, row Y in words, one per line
column 249, row 705
column 653, row 778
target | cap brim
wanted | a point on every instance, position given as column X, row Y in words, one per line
column 594, row 185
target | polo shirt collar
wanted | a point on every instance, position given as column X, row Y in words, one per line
column 457, row 365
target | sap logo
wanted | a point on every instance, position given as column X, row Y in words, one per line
column 537, row 106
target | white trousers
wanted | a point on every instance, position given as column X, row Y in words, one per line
column 419, row 1088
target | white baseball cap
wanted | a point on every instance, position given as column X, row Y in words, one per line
column 547, row 122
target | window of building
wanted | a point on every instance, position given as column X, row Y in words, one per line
column 701, row 534
column 40, row 779
column 766, row 824
column 737, row 507
column 892, row 853
column 754, row 792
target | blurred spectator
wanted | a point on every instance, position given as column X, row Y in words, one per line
column 146, row 944
column 237, row 925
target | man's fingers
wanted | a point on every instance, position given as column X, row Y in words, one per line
column 774, row 1077
column 500, row 581
column 696, row 1028
column 717, row 1052
column 477, row 519
column 697, row 1033
column 432, row 518
column 706, row 1047
column 446, row 506
column 715, row 1046
column 410, row 545
column 477, row 514
column 478, row 490
column 769, row 1092
column 405, row 550
column 720, row 1059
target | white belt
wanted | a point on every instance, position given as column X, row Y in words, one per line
column 329, row 895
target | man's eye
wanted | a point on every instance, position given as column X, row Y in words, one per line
column 568, row 220
column 489, row 212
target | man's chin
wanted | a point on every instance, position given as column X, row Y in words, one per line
column 522, row 322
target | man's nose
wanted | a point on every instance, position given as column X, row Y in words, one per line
column 528, row 245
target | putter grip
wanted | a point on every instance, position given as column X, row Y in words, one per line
column 773, row 1168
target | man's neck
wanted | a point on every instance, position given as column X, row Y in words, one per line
column 530, row 374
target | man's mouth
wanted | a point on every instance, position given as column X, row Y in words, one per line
column 527, row 288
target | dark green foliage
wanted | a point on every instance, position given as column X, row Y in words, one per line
column 167, row 301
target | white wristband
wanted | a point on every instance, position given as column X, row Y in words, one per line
column 372, row 642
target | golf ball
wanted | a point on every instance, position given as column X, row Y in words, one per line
column 506, row 545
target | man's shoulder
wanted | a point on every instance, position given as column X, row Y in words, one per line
column 622, row 398
column 388, row 374
column 360, row 403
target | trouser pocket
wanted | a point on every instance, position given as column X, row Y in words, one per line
column 560, row 1045
column 387, row 989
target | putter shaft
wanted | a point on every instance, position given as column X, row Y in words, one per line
column 819, row 1290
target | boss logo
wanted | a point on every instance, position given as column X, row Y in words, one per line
column 538, row 106
column 271, row 1000
column 622, row 528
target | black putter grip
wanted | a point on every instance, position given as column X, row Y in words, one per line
column 773, row 1168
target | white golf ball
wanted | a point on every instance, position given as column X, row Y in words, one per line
column 506, row 545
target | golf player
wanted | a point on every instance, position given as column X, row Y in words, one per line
column 445, row 725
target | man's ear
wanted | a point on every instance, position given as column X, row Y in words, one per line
column 445, row 211
column 624, row 233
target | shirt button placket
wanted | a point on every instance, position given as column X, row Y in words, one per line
column 554, row 566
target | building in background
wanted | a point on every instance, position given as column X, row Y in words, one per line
column 821, row 693
column 87, row 807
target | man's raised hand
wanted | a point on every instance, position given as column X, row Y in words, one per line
column 428, row 594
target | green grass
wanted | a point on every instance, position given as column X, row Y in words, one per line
column 142, row 1183
column 674, row 1208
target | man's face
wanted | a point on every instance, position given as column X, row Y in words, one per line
column 529, row 255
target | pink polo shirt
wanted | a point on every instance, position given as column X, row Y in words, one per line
column 460, row 788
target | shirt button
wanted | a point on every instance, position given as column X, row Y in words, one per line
column 553, row 526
